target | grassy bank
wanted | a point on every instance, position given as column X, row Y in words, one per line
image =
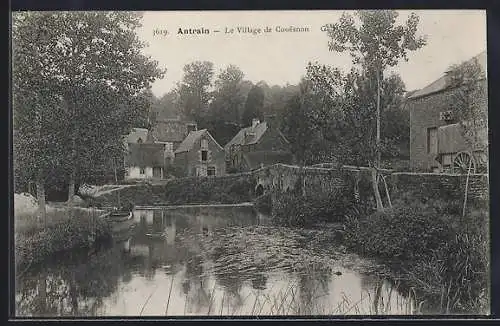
column 437, row 250
column 37, row 240
column 441, row 254
column 199, row 190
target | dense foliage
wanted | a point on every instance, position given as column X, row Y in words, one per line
column 72, row 103
column 441, row 250
column 209, row 190
column 35, row 245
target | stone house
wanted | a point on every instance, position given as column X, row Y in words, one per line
column 258, row 145
column 144, row 161
column 435, row 136
column 171, row 133
column 199, row 154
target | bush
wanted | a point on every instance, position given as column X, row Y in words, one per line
column 35, row 245
column 290, row 209
column 174, row 170
column 402, row 232
column 264, row 203
column 442, row 250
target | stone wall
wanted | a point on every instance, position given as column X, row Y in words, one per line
column 424, row 186
column 305, row 181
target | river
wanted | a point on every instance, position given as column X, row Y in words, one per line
column 211, row 261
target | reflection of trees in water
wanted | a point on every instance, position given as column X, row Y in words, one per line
column 197, row 296
column 313, row 289
column 70, row 288
column 259, row 281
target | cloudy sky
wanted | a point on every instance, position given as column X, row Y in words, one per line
column 280, row 58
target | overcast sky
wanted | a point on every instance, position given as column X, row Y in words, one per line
column 280, row 58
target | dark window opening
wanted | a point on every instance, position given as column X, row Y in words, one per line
column 211, row 170
column 204, row 156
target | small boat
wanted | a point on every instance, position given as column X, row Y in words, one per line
column 121, row 222
column 120, row 215
column 156, row 235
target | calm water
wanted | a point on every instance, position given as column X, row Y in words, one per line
column 210, row 261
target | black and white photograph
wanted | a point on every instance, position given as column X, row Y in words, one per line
column 285, row 163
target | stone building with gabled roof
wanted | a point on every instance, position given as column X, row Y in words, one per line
column 258, row 145
column 171, row 133
column 435, row 135
column 199, row 154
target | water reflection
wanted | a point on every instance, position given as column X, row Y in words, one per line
column 200, row 261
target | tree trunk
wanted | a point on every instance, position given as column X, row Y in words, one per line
column 72, row 177
column 377, row 162
column 40, row 194
column 376, row 191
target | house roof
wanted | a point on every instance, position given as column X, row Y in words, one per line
column 254, row 159
column 441, row 83
column 144, row 155
column 188, row 142
column 135, row 134
column 170, row 130
column 256, row 134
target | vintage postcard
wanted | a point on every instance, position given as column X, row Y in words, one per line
column 250, row 163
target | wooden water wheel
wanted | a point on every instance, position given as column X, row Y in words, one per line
column 462, row 162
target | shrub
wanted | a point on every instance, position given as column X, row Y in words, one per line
column 38, row 244
column 293, row 210
column 445, row 252
column 264, row 203
column 174, row 170
column 404, row 232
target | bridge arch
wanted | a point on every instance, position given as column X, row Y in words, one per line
column 259, row 190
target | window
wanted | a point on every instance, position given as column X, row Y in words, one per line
column 204, row 156
column 432, row 141
column 142, row 171
column 204, row 143
column 211, row 170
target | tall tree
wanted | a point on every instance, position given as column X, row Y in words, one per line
column 165, row 107
column 227, row 97
column 376, row 42
column 223, row 118
column 469, row 102
column 92, row 61
column 254, row 105
column 194, row 90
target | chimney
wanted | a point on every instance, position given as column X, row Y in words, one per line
column 255, row 122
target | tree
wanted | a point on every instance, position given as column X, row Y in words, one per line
column 92, row 62
column 223, row 118
column 254, row 105
column 165, row 107
column 469, row 102
column 227, row 97
column 376, row 44
column 194, row 95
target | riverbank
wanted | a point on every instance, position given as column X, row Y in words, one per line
column 231, row 189
column 37, row 240
column 441, row 254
